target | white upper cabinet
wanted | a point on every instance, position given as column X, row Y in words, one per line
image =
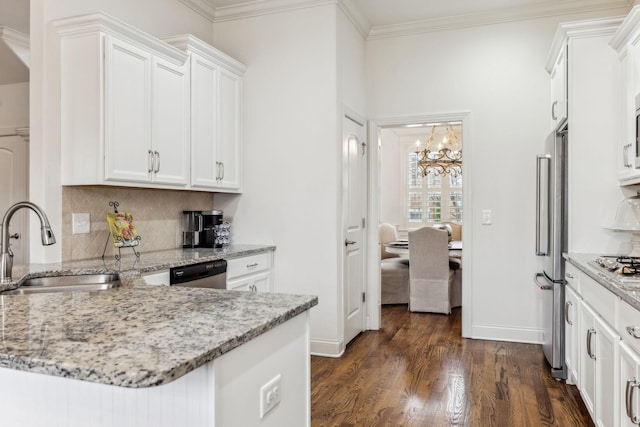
column 559, row 89
column 124, row 106
column 626, row 41
column 216, row 116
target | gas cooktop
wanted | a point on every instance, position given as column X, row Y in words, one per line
column 621, row 268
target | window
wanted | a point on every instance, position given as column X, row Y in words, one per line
column 431, row 199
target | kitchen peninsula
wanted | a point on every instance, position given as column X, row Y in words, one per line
column 153, row 355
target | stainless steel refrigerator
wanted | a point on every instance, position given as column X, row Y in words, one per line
column 551, row 242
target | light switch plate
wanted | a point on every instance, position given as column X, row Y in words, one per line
column 486, row 217
column 81, row 223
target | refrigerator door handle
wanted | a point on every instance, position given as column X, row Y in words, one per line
column 543, row 167
column 544, row 287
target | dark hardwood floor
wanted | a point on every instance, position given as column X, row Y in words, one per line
column 418, row 371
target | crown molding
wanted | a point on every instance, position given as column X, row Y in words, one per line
column 266, row 7
column 99, row 22
column 586, row 28
column 18, row 42
column 191, row 44
column 203, row 7
column 512, row 14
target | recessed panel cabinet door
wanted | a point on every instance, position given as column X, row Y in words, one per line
column 127, row 112
column 229, row 142
column 204, row 94
column 170, row 123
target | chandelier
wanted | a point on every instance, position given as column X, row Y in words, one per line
column 445, row 159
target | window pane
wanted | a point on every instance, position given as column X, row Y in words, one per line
column 413, row 173
column 455, row 206
column 434, row 181
column 434, row 206
column 455, row 181
column 415, row 206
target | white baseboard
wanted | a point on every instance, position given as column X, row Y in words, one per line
column 327, row 348
column 501, row 333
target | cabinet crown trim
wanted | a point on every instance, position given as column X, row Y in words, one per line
column 82, row 25
column 190, row 43
column 586, row 28
column 627, row 30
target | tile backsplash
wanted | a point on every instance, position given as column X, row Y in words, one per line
column 157, row 215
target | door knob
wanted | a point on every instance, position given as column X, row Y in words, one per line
column 348, row 242
column 15, row 236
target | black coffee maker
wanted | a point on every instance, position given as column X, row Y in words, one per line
column 199, row 229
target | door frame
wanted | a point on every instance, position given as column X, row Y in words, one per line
column 373, row 259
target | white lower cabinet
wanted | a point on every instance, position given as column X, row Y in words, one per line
column 250, row 273
column 571, row 307
column 629, row 384
column 592, row 346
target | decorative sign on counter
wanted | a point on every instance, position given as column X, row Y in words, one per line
column 122, row 230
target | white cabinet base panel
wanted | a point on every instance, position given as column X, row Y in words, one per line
column 224, row 392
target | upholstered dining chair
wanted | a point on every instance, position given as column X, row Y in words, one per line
column 431, row 278
column 456, row 230
column 394, row 270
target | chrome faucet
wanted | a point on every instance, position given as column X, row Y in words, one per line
column 6, row 256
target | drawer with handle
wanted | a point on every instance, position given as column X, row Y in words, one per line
column 237, row 267
column 628, row 325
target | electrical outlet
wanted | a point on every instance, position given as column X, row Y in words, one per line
column 270, row 394
column 80, row 223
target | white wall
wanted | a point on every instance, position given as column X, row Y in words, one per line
column 391, row 178
column 161, row 18
column 495, row 72
column 291, row 185
column 14, row 106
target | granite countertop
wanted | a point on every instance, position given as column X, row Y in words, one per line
column 629, row 293
column 137, row 335
column 129, row 267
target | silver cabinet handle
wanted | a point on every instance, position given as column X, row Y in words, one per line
column 255, row 264
column 633, row 331
column 156, row 161
column 632, row 384
column 590, row 333
column 348, row 242
column 567, row 305
column 150, row 160
column 221, row 171
column 554, row 116
column 218, row 171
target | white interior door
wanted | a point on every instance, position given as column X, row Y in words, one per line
column 13, row 188
column 354, row 202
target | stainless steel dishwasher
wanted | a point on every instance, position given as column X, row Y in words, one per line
column 211, row 274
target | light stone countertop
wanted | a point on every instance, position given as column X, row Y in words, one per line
column 628, row 293
column 137, row 335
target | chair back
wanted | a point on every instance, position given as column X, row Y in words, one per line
column 388, row 233
column 429, row 254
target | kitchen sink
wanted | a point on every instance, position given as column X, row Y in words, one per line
column 83, row 282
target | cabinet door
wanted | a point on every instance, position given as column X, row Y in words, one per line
column 229, row 143
column 241, row 284
column 127, row 112
column 627, row 118
column 628, row 386
column 262, row 281
column 587, row 354
column 571, row 306
column 559, row 89
column 204, row 93
column 170, row 123
column 606, row 374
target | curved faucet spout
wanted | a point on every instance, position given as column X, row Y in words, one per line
column 6, row 256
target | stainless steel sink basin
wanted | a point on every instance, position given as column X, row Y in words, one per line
column 84, row 282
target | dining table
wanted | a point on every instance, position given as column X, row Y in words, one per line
column 401, row 247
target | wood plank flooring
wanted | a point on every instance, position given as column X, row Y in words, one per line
column 418, row 371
